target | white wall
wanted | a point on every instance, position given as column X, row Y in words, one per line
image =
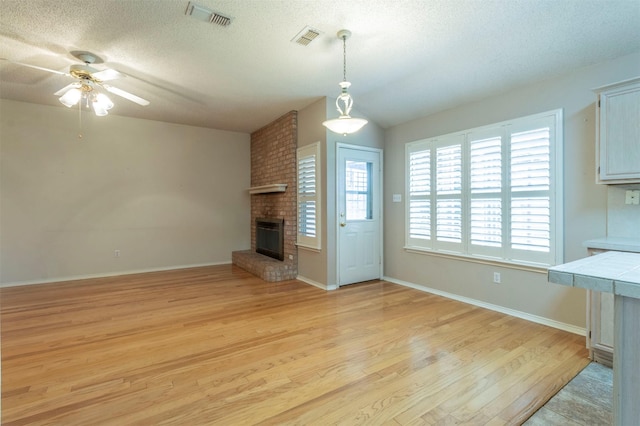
column 585, row 202
column 165, row 195
column 312, row 264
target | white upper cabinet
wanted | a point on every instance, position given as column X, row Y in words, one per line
column 618, row 133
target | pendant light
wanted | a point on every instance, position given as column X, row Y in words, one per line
column 345, row 124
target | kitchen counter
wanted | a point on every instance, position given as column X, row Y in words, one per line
column 614, row 243
column 609, row 272
column 618, row 273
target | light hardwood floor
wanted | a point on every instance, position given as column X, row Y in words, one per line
column 216, row 345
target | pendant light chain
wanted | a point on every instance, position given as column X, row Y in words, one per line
column 344, row 58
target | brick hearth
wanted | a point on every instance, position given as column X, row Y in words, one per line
column 268, row 269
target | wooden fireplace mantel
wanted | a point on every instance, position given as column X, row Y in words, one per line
column 275, row 187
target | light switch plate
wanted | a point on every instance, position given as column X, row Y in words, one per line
column 632, row 197
column 397, row 198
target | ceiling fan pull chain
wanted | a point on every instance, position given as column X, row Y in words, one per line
column 80, row 120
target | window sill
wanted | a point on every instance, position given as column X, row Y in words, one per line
column 309, row 248
column 522, row 266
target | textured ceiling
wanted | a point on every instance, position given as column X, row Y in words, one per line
column 406, row 58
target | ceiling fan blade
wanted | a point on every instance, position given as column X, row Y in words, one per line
column 126, row 95
column 108, row 74
column 67, row 87
column 34, row 67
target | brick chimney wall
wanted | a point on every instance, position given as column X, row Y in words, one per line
column 273, row 160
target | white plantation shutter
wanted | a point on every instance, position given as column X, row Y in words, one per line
column 419, row 169
column 309, row 196
column 449, row 193
column 485, row 182
column 486, row 222
column 486, row 165
column 530, row 160
column 307, row 192
column 530, row 224
column 530, row 185
column 492, row 192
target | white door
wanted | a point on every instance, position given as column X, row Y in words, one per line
column 359, row 215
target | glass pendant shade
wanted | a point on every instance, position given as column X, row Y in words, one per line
column 98, row 108
column 104, row 101
column 345, row 124
column 71, row 98
column 101, row 104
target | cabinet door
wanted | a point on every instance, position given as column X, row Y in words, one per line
column 602, row 327
column 619, row 134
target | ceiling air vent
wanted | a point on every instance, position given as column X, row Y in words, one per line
column 201, row 13
column 219, row 19
column 306, row 36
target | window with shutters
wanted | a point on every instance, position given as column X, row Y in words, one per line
column 493, row 192
column 309, row 196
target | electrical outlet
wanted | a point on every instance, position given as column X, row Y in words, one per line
column 496, row 277
column 116, row 253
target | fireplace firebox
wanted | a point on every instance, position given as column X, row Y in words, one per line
column 270, row 237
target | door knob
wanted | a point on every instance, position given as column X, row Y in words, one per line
column 343, row 224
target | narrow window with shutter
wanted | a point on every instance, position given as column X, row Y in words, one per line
column 531, row 183
column 419, row 194
column 493, row 192
column 309, row 196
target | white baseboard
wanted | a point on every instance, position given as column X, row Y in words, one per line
column 108, row 274
column 518, row 314
column 315, row 283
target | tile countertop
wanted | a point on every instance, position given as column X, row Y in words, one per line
column 614, row 243
column 609, row 272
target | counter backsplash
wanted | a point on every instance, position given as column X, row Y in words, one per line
column 623, row 220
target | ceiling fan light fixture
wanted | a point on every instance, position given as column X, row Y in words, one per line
column 345, row 124
column 98, row 108
column 71, row 97
column 101, row 104
column 89, row 84
column 104, row 101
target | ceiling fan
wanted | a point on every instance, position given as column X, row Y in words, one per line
column 89, row 84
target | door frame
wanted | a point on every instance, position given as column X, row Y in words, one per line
column 380, row 152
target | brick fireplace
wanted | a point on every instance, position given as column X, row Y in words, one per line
column 273, row 161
